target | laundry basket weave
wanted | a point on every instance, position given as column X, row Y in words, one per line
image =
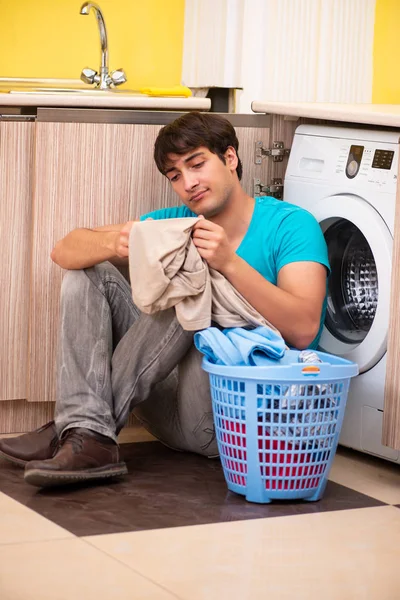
column 278, row 426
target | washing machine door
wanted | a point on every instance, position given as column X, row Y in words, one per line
column 360, row 254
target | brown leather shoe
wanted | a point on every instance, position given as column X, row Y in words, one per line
column 83, row 455
column 40, row 444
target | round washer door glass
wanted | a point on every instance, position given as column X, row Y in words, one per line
column 360, row 254
column 353, row 286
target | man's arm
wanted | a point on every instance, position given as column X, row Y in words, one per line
column 82, row 248
column 293, row 306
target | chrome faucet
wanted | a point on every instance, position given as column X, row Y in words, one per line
column 104, row 80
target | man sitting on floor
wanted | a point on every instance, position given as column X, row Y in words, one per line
column 115, row 360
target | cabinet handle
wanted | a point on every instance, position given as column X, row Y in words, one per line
column 17, row 117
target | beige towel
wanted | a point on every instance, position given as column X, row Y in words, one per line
column 166, row 270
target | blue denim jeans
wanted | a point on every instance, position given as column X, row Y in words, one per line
column 113, row 360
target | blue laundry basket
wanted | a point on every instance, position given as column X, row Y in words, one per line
column 278, row 426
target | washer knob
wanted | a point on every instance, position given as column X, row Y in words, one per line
column 352, row 168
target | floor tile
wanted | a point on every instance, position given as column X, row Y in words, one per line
column 70, row 570
column 20, row 524
column 134, row 435
column 344, row 555
column 367, row 474
column 163, row 489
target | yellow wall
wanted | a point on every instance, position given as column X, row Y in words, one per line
column 386, row 77
column 49, row 38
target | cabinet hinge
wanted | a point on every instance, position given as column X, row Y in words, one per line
column 277, row 152
column 274, row 189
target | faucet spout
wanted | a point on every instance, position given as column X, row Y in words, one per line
column 85, row 10
column 103, row 80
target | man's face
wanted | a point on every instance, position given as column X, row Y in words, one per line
column 201, row 180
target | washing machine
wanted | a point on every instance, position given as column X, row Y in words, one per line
column 347, row 179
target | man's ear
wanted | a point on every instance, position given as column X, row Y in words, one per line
column 231, row 158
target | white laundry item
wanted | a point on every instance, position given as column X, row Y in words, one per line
column 303, row 410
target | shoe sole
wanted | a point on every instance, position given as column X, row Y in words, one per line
column 44, row 478
column 16, row 461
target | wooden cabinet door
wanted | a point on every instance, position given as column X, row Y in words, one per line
column 86, row 175
column 16, row 160
column 90, row 174
column 391, row 412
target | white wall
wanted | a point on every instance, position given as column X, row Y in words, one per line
column 281, row 50
column 212, row 49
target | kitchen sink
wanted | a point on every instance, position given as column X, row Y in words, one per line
column 19, row 85
column 90, row 91
column 36, row 86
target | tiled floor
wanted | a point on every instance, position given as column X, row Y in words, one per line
column 172, row 530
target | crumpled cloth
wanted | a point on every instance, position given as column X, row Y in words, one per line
column 166, row 270
column 240, row 346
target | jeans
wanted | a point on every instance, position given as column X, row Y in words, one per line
column 113, row 360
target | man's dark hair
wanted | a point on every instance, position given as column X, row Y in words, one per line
column 192, row 130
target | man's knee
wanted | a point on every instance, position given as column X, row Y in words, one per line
column 72, row 282
column 76, row 280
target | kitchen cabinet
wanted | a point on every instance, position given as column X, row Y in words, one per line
column 76, row 174
column 16, row 171
column 86, row 174
column 391, row 416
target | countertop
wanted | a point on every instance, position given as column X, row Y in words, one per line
column 106, row 101
column 24, row 93
column 375, row 114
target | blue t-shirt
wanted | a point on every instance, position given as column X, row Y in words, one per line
column 279, row 233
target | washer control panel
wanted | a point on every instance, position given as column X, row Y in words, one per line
column 378, row 159
column 368, row 163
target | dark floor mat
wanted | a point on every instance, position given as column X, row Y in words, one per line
column 163, row 489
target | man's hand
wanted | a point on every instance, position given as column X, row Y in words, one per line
column 213, row 245
column 122, row 240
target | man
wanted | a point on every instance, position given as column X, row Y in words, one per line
column 114, row 360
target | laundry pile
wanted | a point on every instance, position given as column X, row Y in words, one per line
column 305, row 413
column 240, row 346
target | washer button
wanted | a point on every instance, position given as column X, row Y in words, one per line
column 352, row 168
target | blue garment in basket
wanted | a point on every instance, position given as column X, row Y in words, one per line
column 238, row 346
